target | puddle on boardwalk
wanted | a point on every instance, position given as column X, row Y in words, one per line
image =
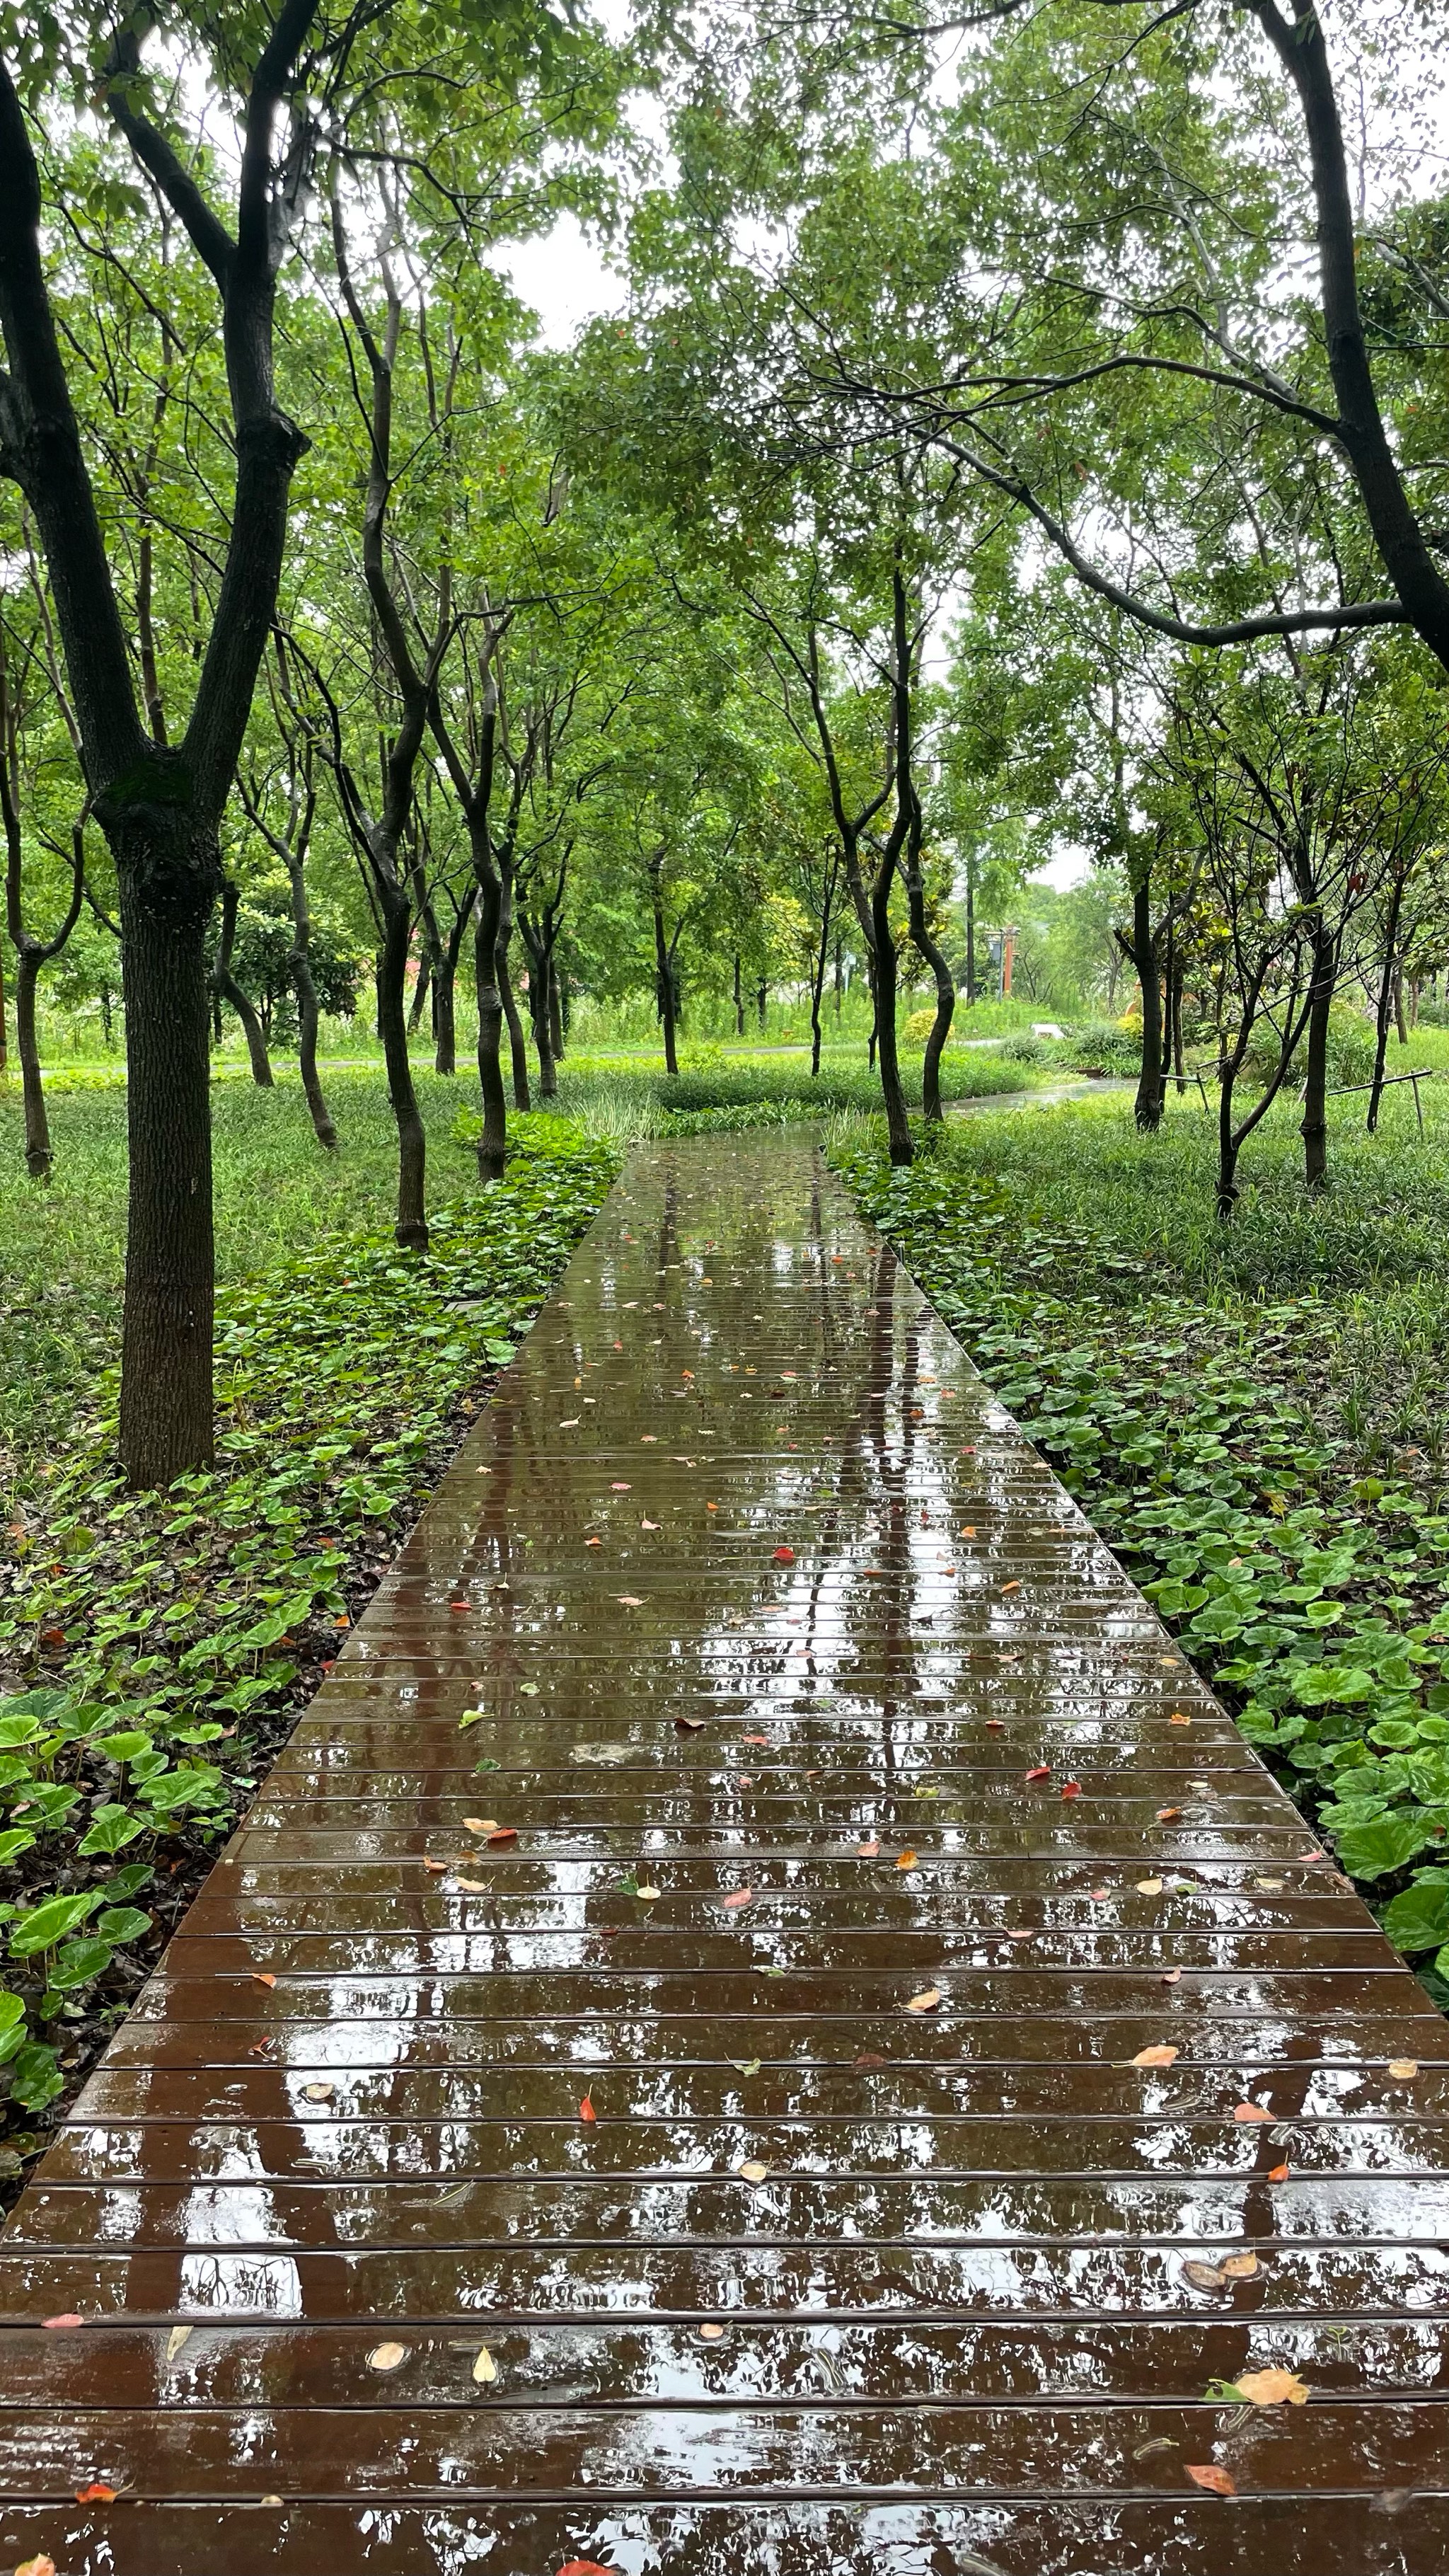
column 763, row 2021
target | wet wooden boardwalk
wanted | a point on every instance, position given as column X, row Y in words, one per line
column 693, row 2118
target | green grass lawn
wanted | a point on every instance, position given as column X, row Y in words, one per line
column 1253, row 1416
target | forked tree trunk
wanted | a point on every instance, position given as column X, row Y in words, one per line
column 935, row 958
column 517, row 1046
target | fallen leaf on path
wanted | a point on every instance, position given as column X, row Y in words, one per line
column 737, row 1897
column 1149, row 1887
column 263, row 1977
column 905, row 1860
column 867, row 1851
column 747, row 2065
column 1071, row 1788
column 1039, row 1771
column 1246, row 2111
column 318, row 2092
column 1240, row 2267
column 752, row 2170
column 438, row 1867
column 480, row 1824
column 586, row 2109
column 784, row 1556
column 504, row 1834
column 1277, row 2173
column 96, row 2493
column 59, row 2325
column 630, row 1600
column 1170, row 1977
column 485, row 2368
column 621, row 1489
column 472, row 1886
column 711, row 2333
column 1403, row 2069
column 387, row 2356
column 1216, row 2480
column 689, row 1725
column 1168, row 1815
column 1177, row 1720
column 869, row 2058
column 586, row 2567
column 926, row 2001
column 1160, row 2055
column 1272, row 2387
column 647, row 1895
column 36, row 2567
column 996, row 1726
column 176, row 2338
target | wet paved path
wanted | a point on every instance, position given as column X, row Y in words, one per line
column 773, row 1621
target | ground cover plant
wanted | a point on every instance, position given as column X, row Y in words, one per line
column 1253, row 1418
column 154, row 1648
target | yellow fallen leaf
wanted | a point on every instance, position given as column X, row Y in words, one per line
column 318, row 2092
column 472, row 1886
column 647, row 1895
column 386, row 2356
column 175, row 2340
column 711, row 2333
column 926, row 2001
column 1149, row 1887
column 1403, row 2069
column 752, row 2170
column 481, row 1824
column 485, row 2368
column 1160, row 2056
column 1240, row 2267
column 1271, row 2388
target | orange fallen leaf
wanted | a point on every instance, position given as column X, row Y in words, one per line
column 1216, row 2480
column 755, row 1739
column 1277, row 2173
column 996, row 1726
column 96, row 2493
column 1177, row 1719
column 711, row 2333
column 1272, row 2387
column 1168, row 1815
column 263, row 1977
column 36, row 2567
column 1149, row 1886
column 1246, row 2111
column 739, row 1896
column 905, row 1860
column 751, row 2170
column 1161, row 2055
column 504, row 1834
column 586, row 2109
column 926, row 2001
column 867, row 1851
column 1013, row 1586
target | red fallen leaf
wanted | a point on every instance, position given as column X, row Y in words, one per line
column 1209, row 2475
column 689, row 1725
column 1071, row 1788
column 460, row 1605
column 996, row 1726
column 263, row 1977
column 1039, row 1771
column 504, row 1834
column 1277, row 2173
column 52, row 1636
column 96, row 2493
column 586, row 2109
column 784, row 1556
column 59, row 2324
column 867, row 1851
column 587, row 2567
column 621, row 1489
column 739, row 1896
column 1168, row 1815
column 868, row 2057
column 755, row 1739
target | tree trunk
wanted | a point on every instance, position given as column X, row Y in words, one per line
column 884, row 956
column 493, row 1143
column 227, row 989
column 1147, row 1108
column 307, row 1012
column 1400, row 1023
column 445, row 993
column 421, row 988
column 37, row 1126
column 1179, row 1059
column 1385, row 1004
column 761, row 998
column 167, row 1316
column 1314, row 1130
column 392, row 969
column 517, row 1044
column 935, row 958
column 739, row 999
column 664, row 985
column 839, row 978
column 558, row 1006
column 1228, row 1144
column 970, row 933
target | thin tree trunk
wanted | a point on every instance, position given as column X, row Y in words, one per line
column 392, row 968
column 1179, row 1059
column 421, row 987
column 307, row 1011
column 739, row 999
column 37, row 1126
column 1385, row 1003
column 935, row 957
column 445, row 993
column 558, row 1007
column 1314, row 1129
column 493, row 1143
column 517, row 1043
column 664, row 982
column 1147, row 1108
column 227, row 989
column 970, row 932
column 1400, row 1023
column 898, row 1128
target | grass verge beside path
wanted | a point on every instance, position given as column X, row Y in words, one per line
column 156, row 1648
column 1254, row 1420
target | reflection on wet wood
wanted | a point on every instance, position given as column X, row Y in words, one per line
column 797, row 2036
